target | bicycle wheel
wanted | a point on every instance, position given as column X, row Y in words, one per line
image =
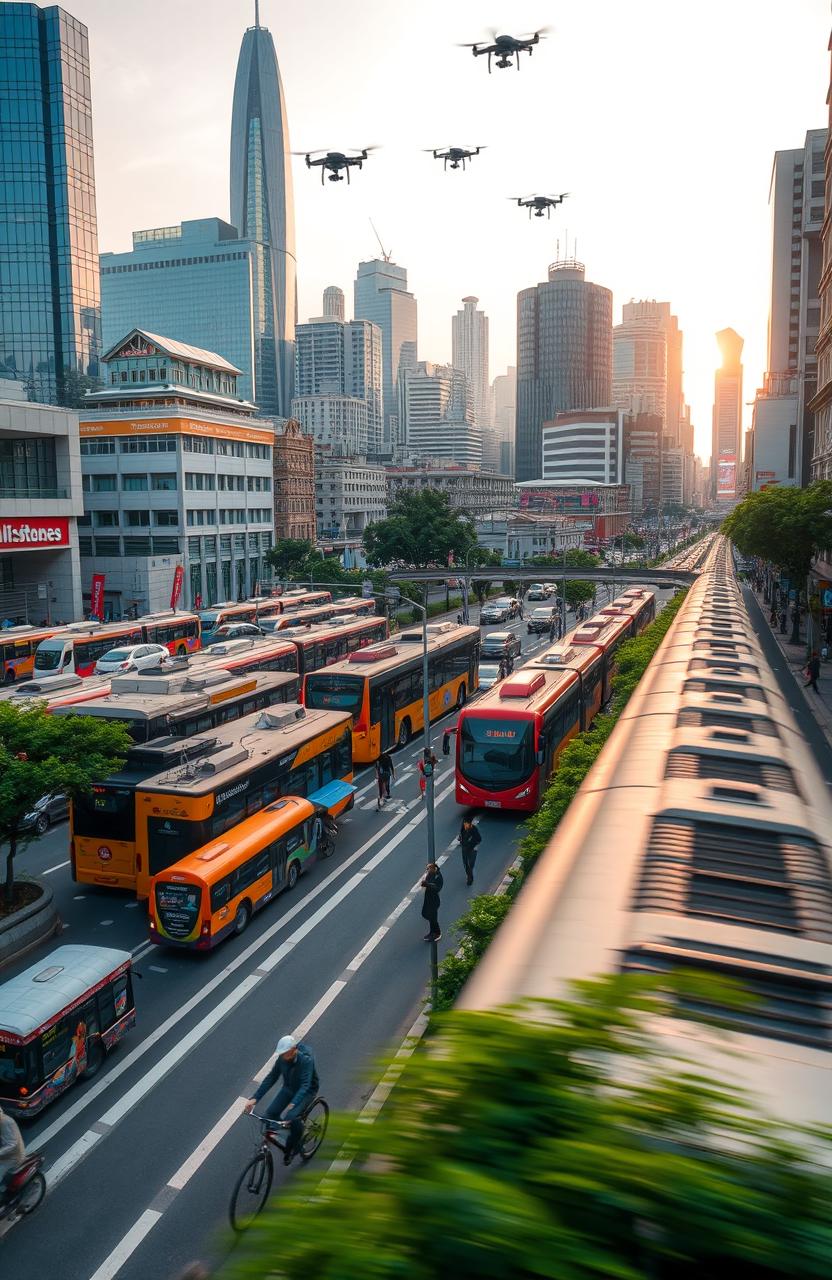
column 314, row 1128
column 252, row 1190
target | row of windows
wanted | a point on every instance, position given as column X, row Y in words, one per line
column 136, row 546
column 229, row 515
column 130, row 519
column 164, row 482
column 174, row 262
column 167, row 444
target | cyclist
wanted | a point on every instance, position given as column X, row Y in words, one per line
column 385, row 771
column 12, row 1150
column 294, row 1065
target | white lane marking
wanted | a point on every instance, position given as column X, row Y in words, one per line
column 56, row 867
column 130, row 906
column 126, row 1247
column 197, row 1157
column 105, row 923
column 149, row 1081
column 332, row 992
column 142, row 949
column 79, row 897
column 156, row 968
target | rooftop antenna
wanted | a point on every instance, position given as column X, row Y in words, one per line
column 385, row 255
column 257, row 13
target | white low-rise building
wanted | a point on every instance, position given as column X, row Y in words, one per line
column 350, row 494
column 523, row 535
column 470, row 489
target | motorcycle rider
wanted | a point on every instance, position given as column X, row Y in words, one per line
column 12, row 1150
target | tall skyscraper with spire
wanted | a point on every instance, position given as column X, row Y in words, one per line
column 262, row 209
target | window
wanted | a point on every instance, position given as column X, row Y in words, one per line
column 166, row 519
column 149, row 444
column 165, row 480
column 56, row 1045
column 105, row 519
column 104, row 484
column 94, row 448
column 134, row 484
column 136, row 519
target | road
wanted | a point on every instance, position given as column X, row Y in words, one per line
column 142, row 1159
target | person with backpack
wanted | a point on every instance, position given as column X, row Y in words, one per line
column 385, row 772
column 432, row 884
column 469, row 838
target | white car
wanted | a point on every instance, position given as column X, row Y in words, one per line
column 138, row 657
column 488, row 673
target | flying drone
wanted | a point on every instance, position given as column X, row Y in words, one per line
column 505, row 48
column 335, row 164
column 456, row 155
column 539, row 204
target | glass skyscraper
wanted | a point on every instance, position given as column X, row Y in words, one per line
column 49, row 301
column 262, row 209
column 381, row 296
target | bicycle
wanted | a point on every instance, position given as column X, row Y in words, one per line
column 251, row 1190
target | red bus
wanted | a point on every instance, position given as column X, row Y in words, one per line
column 302, row 598
column 334, row 640
column 17, row 650
column 606, row 632
column 178, row 632
column 353, row 604
column 588, row 661
column 509, row 741
column 78, row 647
column 298, row 618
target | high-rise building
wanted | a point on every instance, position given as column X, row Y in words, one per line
column 381, row 296
column 564, row 355
column 351, row 493
column 796, row 204
column 262, row 210
column 643, row 446
column 469, row 335
column 338, row 384
column 647, row 365
column 333, row 303
column 439, row 415
column 726, row 437
column 585, row 445
column 821, row 404
column 504, row 402
column 50, row 329
column 194, row 281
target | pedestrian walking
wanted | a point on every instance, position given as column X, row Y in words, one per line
column 432, row 885
column 385, row 772
column 773, row 616
column 812, row 672
column 520, row 610
column 553, row 629
column 469, row 838
column 423, row 781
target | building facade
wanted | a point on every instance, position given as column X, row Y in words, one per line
column 195, row 282
column 381, row 296
column 438, row 409
column 50, row 323
column 338, row 384
column 639, row 355
column 333, row 303
column 469, row 343
column 469, row 489
column 726, row 437
column 176, row 471
column 774, row 433
column 262, row 209
column 564, row 355
column 821, row 404
column 585, row 445
column 606, row 506
column 350, row 494
column 294, row 482
column 643, row 444
column 525, row 534
column 41, row 501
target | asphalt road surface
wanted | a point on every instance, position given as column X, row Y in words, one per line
column 142, row 1159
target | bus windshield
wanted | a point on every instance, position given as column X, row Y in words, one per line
column 496, row 754
column 105, row 812
column 334, row 693
column 48, row 656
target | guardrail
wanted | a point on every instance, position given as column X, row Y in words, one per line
column 662, row 577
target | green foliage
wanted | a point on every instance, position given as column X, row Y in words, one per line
column 421, row 529
column 73, row 387
column 475, row 930
column 289, row 556
column 557, row 1141
column 632, row 540
column 575, row 558
column 787, row 527
column 43, row 755
column 579, row 591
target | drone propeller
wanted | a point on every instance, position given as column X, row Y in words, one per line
column 323, row 151
column 542, row 33
column 374, row 146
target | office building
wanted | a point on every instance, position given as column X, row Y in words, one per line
column 774, row 433
column 338, row 384
column 177, row 470
column 262, row 210
column 821, row 403
column 333, row 303
column 438, row 411
column 469, row 489
column 643, row 443
column 41, row 500
column 469, row 340
column 350, row 494
column 381, row 296
column 294, row 482
column 50, row 327
column 584, row 445
column 647, row 366
column 607, row 507
column 796, row 205
column 673, row 476
column 564, row 355
column 726, row 434
column 194, row 281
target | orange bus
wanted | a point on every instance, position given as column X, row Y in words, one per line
column 17, row 650
column 78, row 646
column 178, row 632
column 214, row 892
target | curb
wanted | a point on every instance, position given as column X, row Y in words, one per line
column 28, row 927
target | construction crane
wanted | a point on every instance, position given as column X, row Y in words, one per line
column 385, row 255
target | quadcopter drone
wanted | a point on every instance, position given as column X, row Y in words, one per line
column 505, row 48
column 456, row 155
column 539, row 204
column 335, row 164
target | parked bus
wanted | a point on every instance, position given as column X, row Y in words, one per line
column 382, row 686
column 56, row 691
column 333, row 641
column 354, row 604
column 58, row 1020
column 78, row 647
column 131, row 828
column 302, row 598
column 17, row 650
column 179, row 704
column 254, row 653
column 178, row 632
column 297, row 618
column 218, row 615
column 215, row 891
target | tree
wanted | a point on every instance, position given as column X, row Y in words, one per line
column 290, row 555
column 73, row 386
column 421, row 529
column 44, row 755
column 558, row 1140
column 787, row 527
column 632, row 540
column 579, row 591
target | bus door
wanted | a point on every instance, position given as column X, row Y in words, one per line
column 388, row 718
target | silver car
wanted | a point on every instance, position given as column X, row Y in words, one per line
column 135, row 658
column 488, row 673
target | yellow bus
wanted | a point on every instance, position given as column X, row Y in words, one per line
column 214, row 892
column 381, row 686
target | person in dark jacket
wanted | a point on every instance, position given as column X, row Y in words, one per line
column 812, row 673
column 294, row 1065
column 469, row 838
column 432, row 885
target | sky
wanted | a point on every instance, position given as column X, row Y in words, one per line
column 659, row 118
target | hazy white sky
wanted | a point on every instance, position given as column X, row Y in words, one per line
column 661, row 118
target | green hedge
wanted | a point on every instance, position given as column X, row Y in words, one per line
column 485, row 914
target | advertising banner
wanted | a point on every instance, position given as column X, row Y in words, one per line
column 178, row 579
column 97, row 597
column 33, row 533
column 726, row 476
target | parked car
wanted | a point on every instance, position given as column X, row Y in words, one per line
column 541, row 619
column 500, row 644
column 494, row 611
column 488, row 673
column 234, row 631
column 536, row 591
column 137, row 658
column 47, row 810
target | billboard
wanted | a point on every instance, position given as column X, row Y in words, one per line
column 563, row 501
column 33, row 533
column 726, row 476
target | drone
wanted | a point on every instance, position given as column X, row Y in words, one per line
column 456, row 155
column 333, row 163
column 505, row 48
column 538, row 204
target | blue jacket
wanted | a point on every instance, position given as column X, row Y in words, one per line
column 299, row 1075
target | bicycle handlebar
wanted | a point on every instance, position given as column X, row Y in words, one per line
column 278, row 1124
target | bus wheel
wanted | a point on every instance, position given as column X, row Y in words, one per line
column 95, row 1059
column 461, row 696
column 292, row 875
column 404, row 733
column 242, row 917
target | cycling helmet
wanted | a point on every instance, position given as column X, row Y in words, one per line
column 284, row 1044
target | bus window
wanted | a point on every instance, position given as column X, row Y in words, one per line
column 496, row 753
column 336, row 693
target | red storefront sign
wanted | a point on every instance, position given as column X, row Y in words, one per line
column 97, row 597
column 33, row 533
column 178, row 579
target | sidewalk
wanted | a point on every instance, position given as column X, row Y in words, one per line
column 820, row 705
